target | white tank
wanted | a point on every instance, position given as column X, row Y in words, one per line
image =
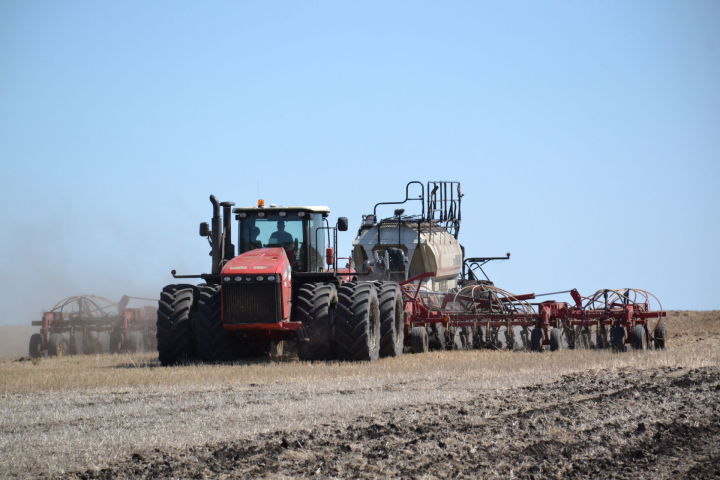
column 405, row 249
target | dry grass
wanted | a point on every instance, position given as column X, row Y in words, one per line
column 73, row 412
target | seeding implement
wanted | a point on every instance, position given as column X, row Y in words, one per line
column 408, row 286
column 91, row 324
column 450, row 302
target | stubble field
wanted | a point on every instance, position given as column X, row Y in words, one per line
column 469, row 414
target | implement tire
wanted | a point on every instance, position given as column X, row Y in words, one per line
column 357, row 322
column 174, row 331
column 555, row 339
column 35, row 347
column 213, row 342
column 637, row 337
column 136, row 342
column 617, row 338
column 536, row 339
column 314, row 306
column 419, row 340
column 437, row 336
column 392, row 320
column 57, row 345
column 660, row 335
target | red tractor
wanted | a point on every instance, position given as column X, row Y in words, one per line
column 277, row 292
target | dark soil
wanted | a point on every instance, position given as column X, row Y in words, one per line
column 662, row 423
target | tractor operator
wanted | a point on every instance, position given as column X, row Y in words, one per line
column 281, row 237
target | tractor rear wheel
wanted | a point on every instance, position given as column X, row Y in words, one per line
column 660, row 335
column 35, row 345
column 174, row 331
column 214, row 343
column 419, row 340
column 392, row 320
column 555, row 339
column 314, row 306
column 57, row 345
column 357, row 322
column 637, row 337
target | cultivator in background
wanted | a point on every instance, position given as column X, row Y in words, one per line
column 451, row 303
column 89, row 324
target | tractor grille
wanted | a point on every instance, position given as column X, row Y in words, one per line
column 250, row 303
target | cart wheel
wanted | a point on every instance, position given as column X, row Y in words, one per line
column 638, row 337
column 35, row 345
column 555, row 339
column 660, row 336
column 536, row 338
column 617, row 338
column 419, row 340
column 57, row 345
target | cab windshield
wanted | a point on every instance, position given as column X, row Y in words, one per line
column 296, row 232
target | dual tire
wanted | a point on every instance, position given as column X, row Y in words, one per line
column 315, row 306
column 174, row 331
column 357, row 322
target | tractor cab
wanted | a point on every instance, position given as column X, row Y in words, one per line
column 300, row 231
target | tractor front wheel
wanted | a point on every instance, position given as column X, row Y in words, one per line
column 174, row 332
column 315, row 307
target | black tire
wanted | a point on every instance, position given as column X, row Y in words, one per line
column 660, row 335
column 57, row 345
column 76, row 343
column 555, row 339
column 213, row 342
column 436, row 338
column 392, row 320
column 357, row 322
column 536, row 339
column 174, row 331
column 103, row 340
column 314, row 306
column 601, row 338
column 617, row 338
column 116, row 342
column 35, row 348
column 478, row 338
column 525, row 338
column 419, row 341
column 136, row 342
column 582, row 338
column 637, row 337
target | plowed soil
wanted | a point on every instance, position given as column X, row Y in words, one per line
column 569, row 414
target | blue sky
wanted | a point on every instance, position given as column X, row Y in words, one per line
column 586, row 134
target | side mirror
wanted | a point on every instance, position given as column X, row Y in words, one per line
column 204, row 229
column 342, row 224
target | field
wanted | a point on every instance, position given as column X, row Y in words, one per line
column 469, row 414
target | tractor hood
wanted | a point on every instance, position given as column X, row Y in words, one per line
column 262, row 261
